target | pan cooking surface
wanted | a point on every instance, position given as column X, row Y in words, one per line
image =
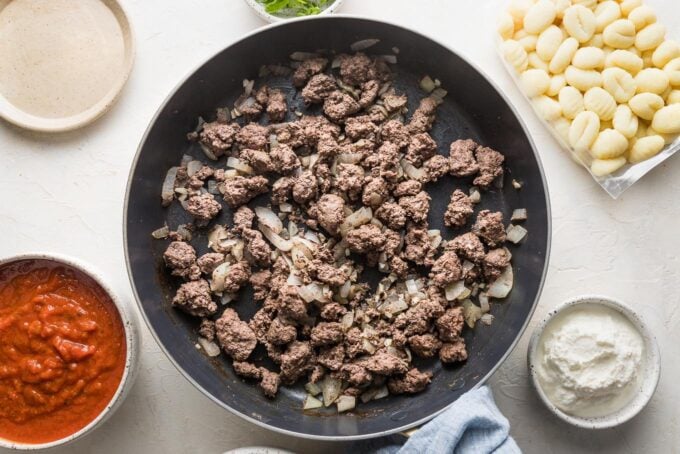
column 472, row 109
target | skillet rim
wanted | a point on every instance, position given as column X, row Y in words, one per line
column 300, row 434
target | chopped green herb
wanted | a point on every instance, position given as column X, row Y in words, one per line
column 288, row 8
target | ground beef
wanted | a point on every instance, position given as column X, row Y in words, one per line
column 450, row 324
column 243, row 219
column 260, row 283
column 328, row 274
column 417, row 319
column 218, row 137
column 436, row 167
column 412, row 382
column 392, row 215
column 446, row 270
column 194, row 298
column 416, row 206
column 180, row 257
column 399, row 267
column 280, row 333
column 330, row 212
column 253, row 136
column 357, row 69
column 383, row 363
column 388, row 155
column 495, row 261
column 327, row 333
column 208, row 262
column 269, row 383
column 253, row 106
column 424, row 345
column 307, row 69
column 489, row 227
column 360, row 127
column 332, row 312
column 468, row 246
column 203, row 207
column 291, row 305
column 305, row 187
column 490, row 166
column 237, row 276
column 453, row 352
column 284, row 159
column 247, row 370
column 259, row 160
column 318, row 371
column 369, row 91
column 353, row 342
column 375, row 192
column 260, row 324
column 332, row 357
column 364, row 239
column 407, row 188
column 296, row 361
column 461, row 158
column 197, row 180
column 418, row 247
column 240, row 190
column 356, row 374
column 423, row 116
column 459, row 209
column 339, row 105
column 257, row 247
column 350, row 180
column 235, row 336
column 276, row 105
column 282, row 190
column 207, row 329
column 421, row 147
column 394, row 131
column 319, row 88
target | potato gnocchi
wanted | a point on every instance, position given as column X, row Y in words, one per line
column 601, row 73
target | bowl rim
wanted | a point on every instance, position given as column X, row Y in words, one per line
column 648, row 385
column 495, row 86
column 130, row 327
column 258, row 8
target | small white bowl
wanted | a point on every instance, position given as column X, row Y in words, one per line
column 650, row 368
column 259, row 10
column 131, row 327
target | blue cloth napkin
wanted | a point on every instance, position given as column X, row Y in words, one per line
column 471, row 425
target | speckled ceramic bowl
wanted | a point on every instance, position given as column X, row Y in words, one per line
column 259, row 10
column 130, row 325
column 650, row 368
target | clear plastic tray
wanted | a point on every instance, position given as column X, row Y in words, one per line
column 668, row 14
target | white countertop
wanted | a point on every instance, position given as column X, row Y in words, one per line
column 65, row 194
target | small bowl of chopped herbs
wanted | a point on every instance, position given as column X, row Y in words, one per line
column 280, row 10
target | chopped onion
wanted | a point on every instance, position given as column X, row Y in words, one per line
column 210, row 347
column 161, row 233
column 239, row 165
column 395, row 307
column 311, row 236
column 368, row 347
column 346, row 403
column 455, row 290
column 363, row 44
column 475, row 195
column 219, row 275
column 391, row 59
column 184, row 232
column 213, row 187
column 227, row 298
column 193, row 167
column 248, row 86
column 487, row 319
column 302, row 56
column 168, row 188
column 312, row 292
column 382, row 392
column 520, row 214
column 331, row 389
column 350, row 158
column 471, row 313
column 313, row 389
column 439, row 93
column 344, row 289
column 360, row 217
column 411, row 287
column 427, row 84
column 286, row 208
column 217, row 239
column 208, row 152
column 413, row 171
column 267, row 217
column 484, row 302
column 368, row 395
column 230, row 174
column 347, row 320
column 516, row 184
column 516, row 233
column 278, row 242
column 294, row 279
column 502, row 285
column 311, row 403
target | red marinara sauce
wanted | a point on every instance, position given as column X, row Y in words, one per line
column 62, row 350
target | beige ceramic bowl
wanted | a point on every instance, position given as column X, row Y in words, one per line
column 649, row 370
column 130, row 325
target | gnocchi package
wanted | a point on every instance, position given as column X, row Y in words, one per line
column 603, row 75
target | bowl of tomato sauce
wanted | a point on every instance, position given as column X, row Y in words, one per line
column 69, row 351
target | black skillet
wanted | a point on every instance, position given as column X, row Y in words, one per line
column 473, row 109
